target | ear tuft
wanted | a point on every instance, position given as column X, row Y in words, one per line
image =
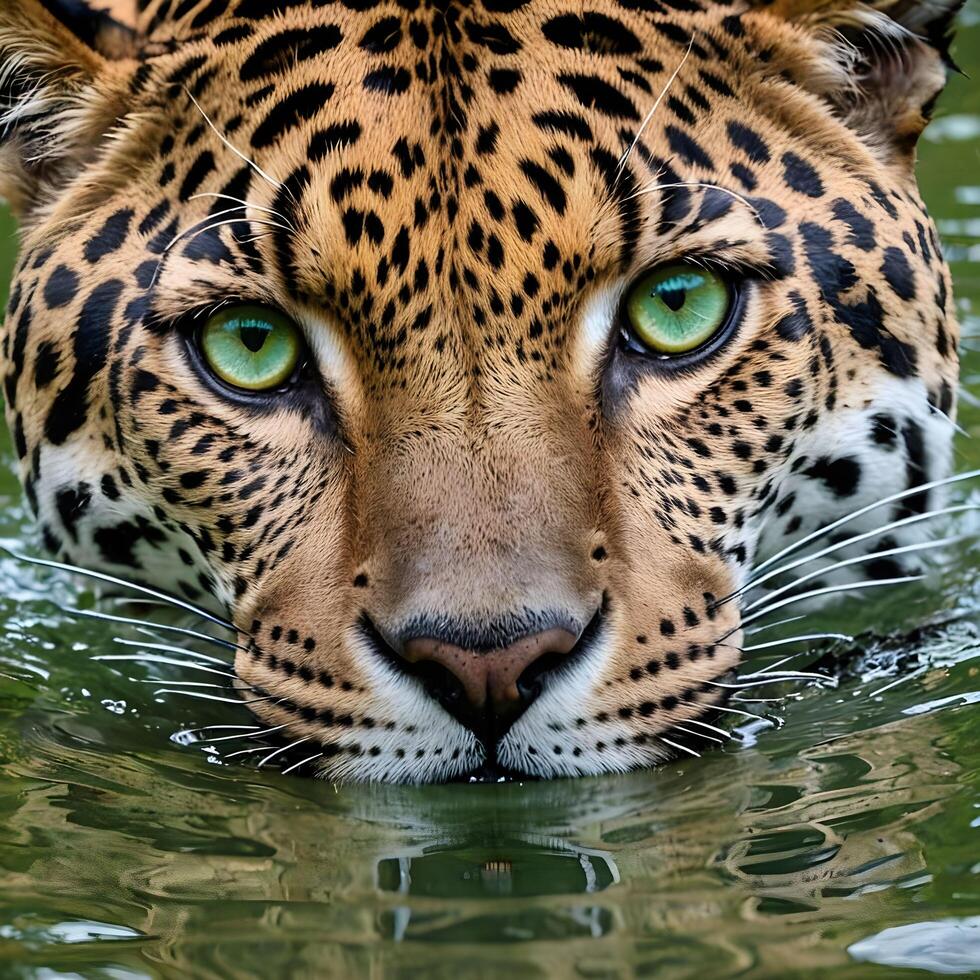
column 58, row 93
column 882, row 65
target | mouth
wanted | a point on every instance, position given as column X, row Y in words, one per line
column 488, row 725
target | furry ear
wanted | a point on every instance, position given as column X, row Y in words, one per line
column 881, row 64
column 64, row 66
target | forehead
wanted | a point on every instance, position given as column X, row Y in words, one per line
column 497, row 156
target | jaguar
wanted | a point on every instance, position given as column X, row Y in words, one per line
column 486, row 368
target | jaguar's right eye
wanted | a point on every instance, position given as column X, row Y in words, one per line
column 251, row 347
column 677, row 309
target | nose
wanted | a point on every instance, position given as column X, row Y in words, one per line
column 488, row 690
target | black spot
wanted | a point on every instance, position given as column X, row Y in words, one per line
column 61, row 287
column 801, row 176
column 594, row 93
column 861, row 229
column 592, row 32
column 110, row 237
column 279, row 53
column 748, row 141
column 298, row 106
column 898, row 273
column 840, row 475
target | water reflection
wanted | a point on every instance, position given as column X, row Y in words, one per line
column 684, row 870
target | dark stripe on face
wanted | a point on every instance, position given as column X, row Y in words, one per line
column 301, row 105
column 91, row 346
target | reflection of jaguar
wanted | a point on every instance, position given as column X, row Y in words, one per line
column 625, row 871
column 467, row 354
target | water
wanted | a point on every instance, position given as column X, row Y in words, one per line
column 844, row 844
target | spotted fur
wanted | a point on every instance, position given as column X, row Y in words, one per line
column 451, row 198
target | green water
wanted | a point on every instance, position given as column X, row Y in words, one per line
column 844, row 844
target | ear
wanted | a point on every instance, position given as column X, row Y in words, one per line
column 882, row 64
column 64, row 66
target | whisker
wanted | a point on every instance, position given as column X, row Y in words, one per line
column 112, row 580
column 259, row 734
column 214, row 697
column 768, row 626
column 296, row 765
column 693, row 734
column 774, row 721
column 787, row 675
column 786, row 660
column 758, row 681
column 802, row 638
column 220, row 687
column 679, row 747
column 222, row 224
column 857, row 560
column 215, row 728
column 247, row 204
column 646, row 119
column 284, row 748
column 829, row 590
column 166, row 648
column 900, row 680
column 936, row 410
column 148, row 626
column 234, row 149
column 857, row 538
column 706, row 185
column 154, row 659
column 711, row 728
column 861, row 511
column 258, row 748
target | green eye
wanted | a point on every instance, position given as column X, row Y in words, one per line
column 251, row 347
column 677, row 308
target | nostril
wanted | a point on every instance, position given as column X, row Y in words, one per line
column 441, row 684
column 530, row 682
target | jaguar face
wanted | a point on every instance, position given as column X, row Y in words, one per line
column 468, row 356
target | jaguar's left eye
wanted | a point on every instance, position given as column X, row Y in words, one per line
column 677, row 308
column 251, row 347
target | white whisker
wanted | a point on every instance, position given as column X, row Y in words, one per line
column 831, row 589
column 861, row 511
column 112, row 580
column 247, row 204
column 711, row 728
column 231, row 146
column 284, row 748
column 856, row 560
column 768, row 626
column 153, row 659
column 847, row 542
column 232, row 755
column 679, row 747
column 900, row 680
column 802, row 638
column 296, row 765
column 148, row 627
column 214, row 697
column 166, row 648
column 646, row 119
column 253, row 734
column 735, row 711
column 693, row 734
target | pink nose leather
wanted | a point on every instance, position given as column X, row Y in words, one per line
column 490, row 678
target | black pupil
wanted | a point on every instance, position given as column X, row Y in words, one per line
column 674, row 299
column 253, row 335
